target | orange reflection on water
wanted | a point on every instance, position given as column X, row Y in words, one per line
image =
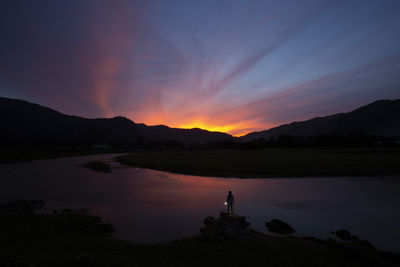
column 170, row 191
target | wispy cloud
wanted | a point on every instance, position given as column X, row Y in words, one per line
column 229, row 66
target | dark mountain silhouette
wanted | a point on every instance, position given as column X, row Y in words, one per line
column 23, row 121
column 381, row 118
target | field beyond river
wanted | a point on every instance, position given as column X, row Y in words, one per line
column 270, row 162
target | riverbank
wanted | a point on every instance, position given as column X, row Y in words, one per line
column 10, row 155
column 75, row 238
column 270, row 162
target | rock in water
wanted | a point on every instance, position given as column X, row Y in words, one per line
column 343, row 234
column 98, row 166
column 279, row 227
column 354, row 238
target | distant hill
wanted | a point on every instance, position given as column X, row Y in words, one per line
column 378, row 118
column 23, row 121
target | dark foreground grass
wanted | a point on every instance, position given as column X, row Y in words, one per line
column 69, row 240
column 271, row 162
column 192, row 252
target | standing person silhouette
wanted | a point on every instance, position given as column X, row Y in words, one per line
column 230, row 200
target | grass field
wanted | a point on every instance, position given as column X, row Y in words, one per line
column 270, row 162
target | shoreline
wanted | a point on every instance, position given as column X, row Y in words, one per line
column 265, row 164
column 76, row 238
column 251, row 176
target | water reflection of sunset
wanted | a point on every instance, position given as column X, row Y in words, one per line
column 153, row 206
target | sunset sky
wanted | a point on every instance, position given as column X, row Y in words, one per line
column 232, row 66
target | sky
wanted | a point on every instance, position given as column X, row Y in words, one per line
column 231, row 66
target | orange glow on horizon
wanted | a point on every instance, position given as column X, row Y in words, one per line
column 208, row 127
column 224, row 123
column 232, row 129
column 236, row 130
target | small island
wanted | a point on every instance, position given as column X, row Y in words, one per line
column 98, row 166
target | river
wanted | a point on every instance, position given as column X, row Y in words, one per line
column 150, row 206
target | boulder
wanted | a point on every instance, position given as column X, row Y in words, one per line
column 366, row 244
column 227, row 227
column 98, row 166
column 234, row 220
column 354, row 238
column 209, row 220
column 343, row 234
column 279, row 227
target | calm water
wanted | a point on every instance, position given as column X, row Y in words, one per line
column 151, row 206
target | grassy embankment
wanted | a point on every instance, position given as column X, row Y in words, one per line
column 79, row 239
column 271, row 162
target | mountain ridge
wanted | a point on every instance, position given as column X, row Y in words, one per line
column 30, row 122
column 376, row 118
